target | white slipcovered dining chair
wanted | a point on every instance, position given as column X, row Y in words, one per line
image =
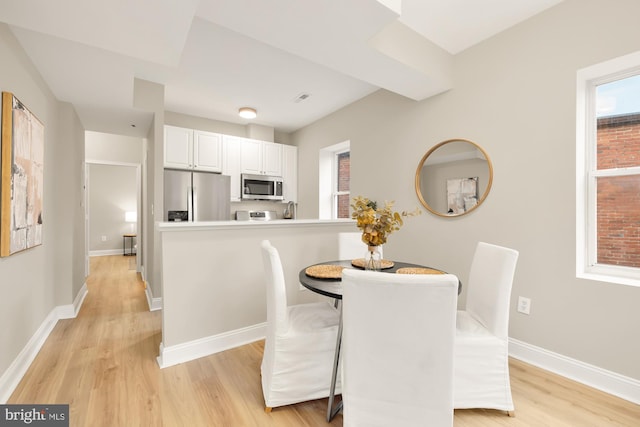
column 397, row 348
column 351, row 246
column 481, row 374
column 300, row 342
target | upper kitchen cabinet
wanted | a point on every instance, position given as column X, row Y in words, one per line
column 290, row 173
column 178, row 147
column 261, row 157
column 192, row 149
column 207, row 151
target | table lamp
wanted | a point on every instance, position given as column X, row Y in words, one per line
column 132, row 217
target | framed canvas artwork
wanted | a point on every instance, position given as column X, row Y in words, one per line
column 22, row 172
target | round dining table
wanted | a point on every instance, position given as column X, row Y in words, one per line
column 332, row 288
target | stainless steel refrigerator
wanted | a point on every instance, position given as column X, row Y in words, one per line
column 196, row 196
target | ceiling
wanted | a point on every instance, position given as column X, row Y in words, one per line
column 215, row 56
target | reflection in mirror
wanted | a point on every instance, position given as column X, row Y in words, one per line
column 454, row 177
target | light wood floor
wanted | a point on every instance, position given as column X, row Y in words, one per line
column 103, row 363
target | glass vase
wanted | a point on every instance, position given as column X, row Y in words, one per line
column 373, row 258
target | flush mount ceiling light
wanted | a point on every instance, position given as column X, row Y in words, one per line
column 247, row 113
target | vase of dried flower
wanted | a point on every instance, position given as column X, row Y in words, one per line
column 373, row 258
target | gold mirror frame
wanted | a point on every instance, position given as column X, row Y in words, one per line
column 418, row 178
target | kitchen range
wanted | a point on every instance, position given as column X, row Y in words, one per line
column 256, row 215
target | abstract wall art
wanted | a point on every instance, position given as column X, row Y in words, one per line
column 22, row 172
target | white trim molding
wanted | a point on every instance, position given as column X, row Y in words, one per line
column 105, row 252
column 70, row 311
column 13, row 375
column 153, row 303
column 196, row 349
column 607, row 381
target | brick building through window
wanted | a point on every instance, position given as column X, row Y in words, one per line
column 618, row 197
column 344, row 177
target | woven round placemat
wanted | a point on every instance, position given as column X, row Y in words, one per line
column 325, row 271
column 418, row 270
column 384, row 263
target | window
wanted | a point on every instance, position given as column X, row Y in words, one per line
column 334, row 181
column 608, row 172
column 341, row 196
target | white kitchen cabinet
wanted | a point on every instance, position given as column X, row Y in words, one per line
column 290, row 173
column 272, row 161
column 261, row 157
column 178, row 147
column 192, row 149
column 207, row 151
column 232, row 147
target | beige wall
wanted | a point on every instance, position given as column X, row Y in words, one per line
column 263, row 133
column 515, row 95
column 34, row 282
column 112, row 192
column 213, row 278
column 149, row 96
column 105, row 147
column 112, row 176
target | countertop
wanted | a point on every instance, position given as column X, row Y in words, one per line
column 233, row 224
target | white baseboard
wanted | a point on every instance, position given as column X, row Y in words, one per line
column 70, row 311
column 12, row 376
column 106, row 252
column 153, row 303
column 196, row 349
column 609, row 382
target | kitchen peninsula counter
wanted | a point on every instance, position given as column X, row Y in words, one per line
column 233, row 224
column 213, row 279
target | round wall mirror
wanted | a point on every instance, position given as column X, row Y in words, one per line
column 454, row 177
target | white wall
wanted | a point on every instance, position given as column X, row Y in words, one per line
column 112, row 192
column 105, row 147
column 113, row 163
column 213, row 277
column 515, row 95
column 34, row 282
column 263, row 133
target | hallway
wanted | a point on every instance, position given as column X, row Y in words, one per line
column 103, row 363
column 87, row 361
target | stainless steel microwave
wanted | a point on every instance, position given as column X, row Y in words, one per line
column 261, row 187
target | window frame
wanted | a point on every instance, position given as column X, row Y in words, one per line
column 587, row 173
column 328, row 179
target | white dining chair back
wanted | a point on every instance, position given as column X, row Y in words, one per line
column 277, row 315
column 351, row 246
column 489, row 286
column 481, row 374
column 397, row 348
column 300, row 342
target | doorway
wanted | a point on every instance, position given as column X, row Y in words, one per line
column 113, row 210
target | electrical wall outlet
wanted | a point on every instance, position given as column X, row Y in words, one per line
column 524, row 305
column 103, row 238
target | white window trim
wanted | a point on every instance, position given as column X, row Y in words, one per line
column 327, row 207
column 586, row 175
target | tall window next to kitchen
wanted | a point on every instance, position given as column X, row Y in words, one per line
column 608, row 165
column 334, row 181
column 343, row 176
